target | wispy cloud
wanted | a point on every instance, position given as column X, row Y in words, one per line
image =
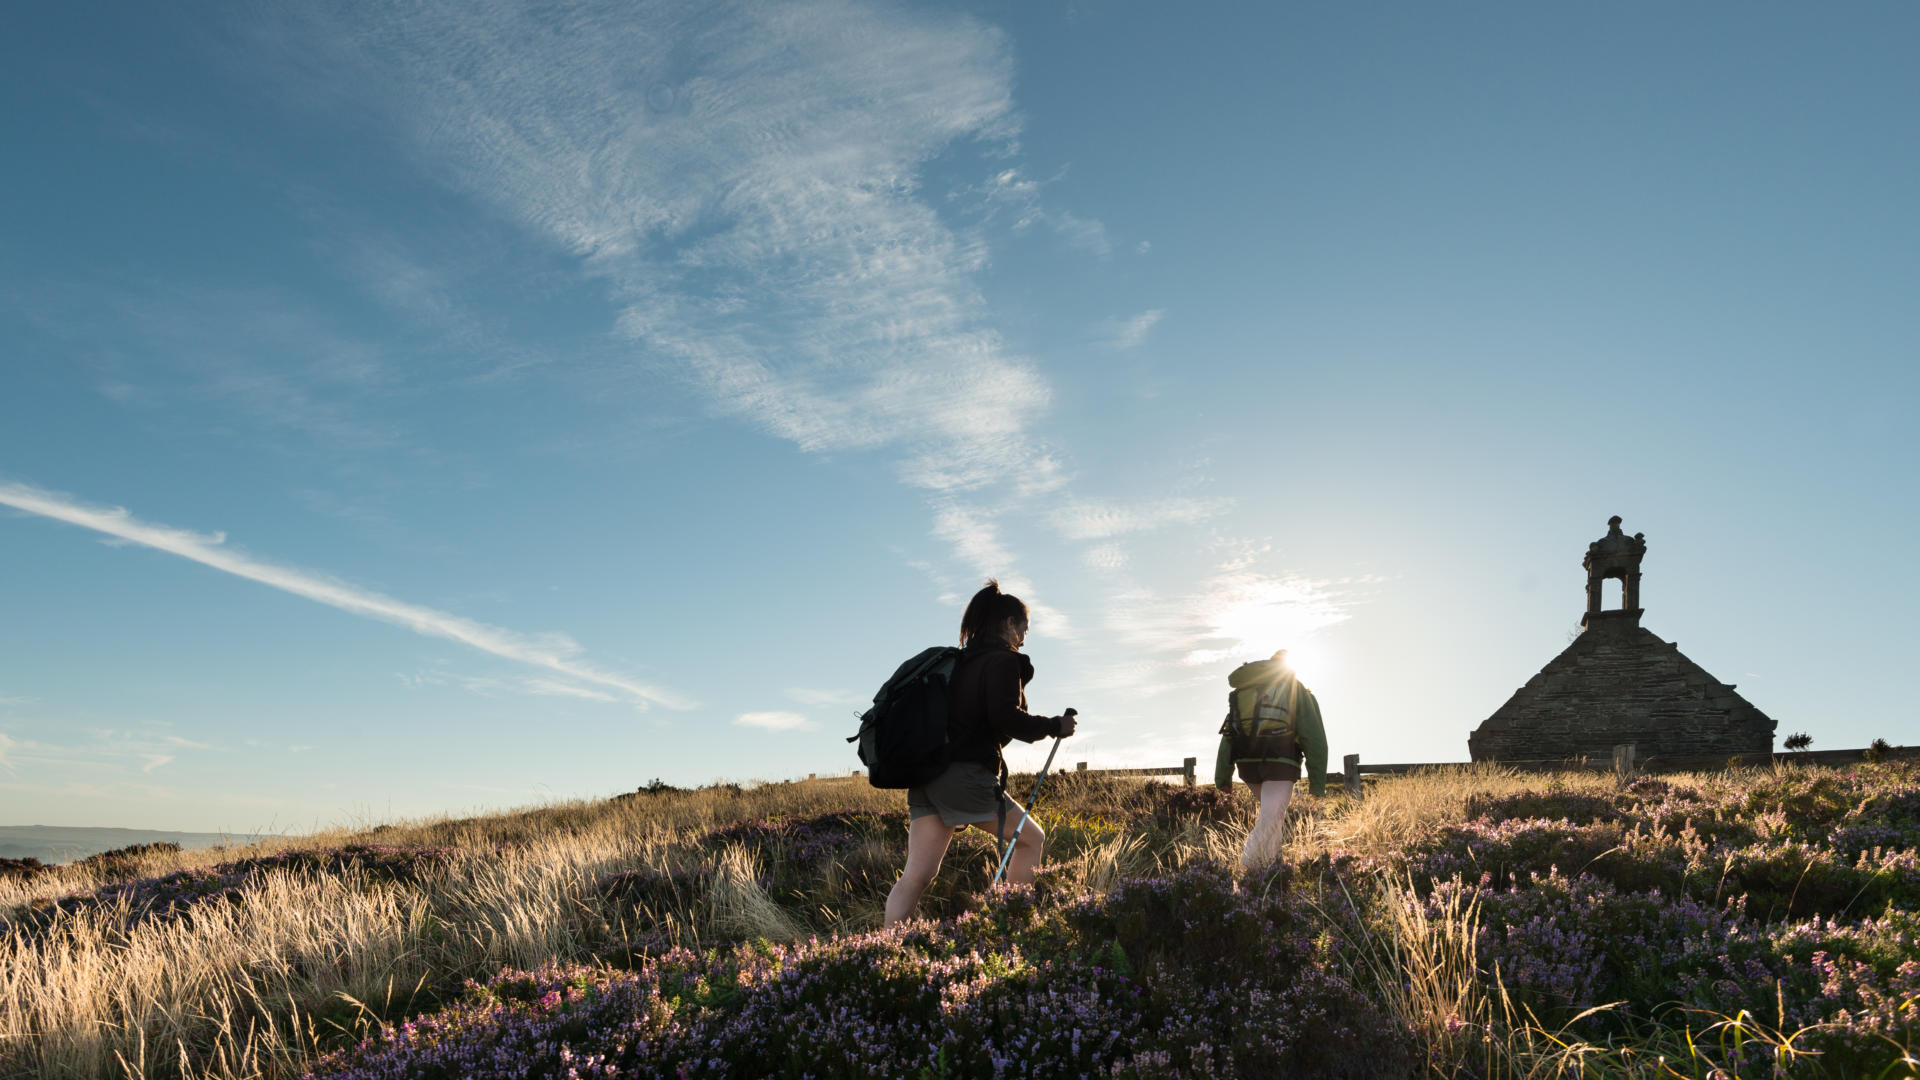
column 976, row 541
column 274, row 361
column 1237, row 613
column 1012, row 194
column 1092, row 520
column 745, row 181
column 775, row 721
column 109, row 750
column 430, row 291
column 555, row 653
column 490, row 685
column 1084, row 233
column 1129, row 333
column 550, row 688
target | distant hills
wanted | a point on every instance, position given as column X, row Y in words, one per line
column 59, row 844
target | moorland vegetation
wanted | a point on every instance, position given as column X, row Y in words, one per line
column 1461, row 922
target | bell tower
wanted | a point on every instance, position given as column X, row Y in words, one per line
column 1615, row 555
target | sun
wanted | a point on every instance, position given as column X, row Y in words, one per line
column 1308, row 660
column 1256, row 615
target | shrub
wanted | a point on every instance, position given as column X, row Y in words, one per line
column 24, row 869
column 1174, row 805
column 1516, row 850
column 806, row 839
column 130, row 854
column 655, row 786
column 1577, row 807
column 1793, row 880
column 1849, row 986
column 1037, row 982
column 1563, row 943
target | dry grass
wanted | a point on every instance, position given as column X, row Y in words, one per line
column 1400, row 809
column 255, row 988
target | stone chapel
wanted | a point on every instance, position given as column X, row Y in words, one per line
column 1619, row 683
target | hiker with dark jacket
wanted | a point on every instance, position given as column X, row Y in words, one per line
column 1273, row 724
column 987, row 704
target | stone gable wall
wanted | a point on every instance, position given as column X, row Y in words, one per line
column 1620, row 683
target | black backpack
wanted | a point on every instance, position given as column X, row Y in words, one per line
column 903, row 738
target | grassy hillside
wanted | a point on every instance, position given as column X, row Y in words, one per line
column 1467, row 922
column 59, row 844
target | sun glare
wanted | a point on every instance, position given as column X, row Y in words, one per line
column 1262, row 614
column 1308, row 660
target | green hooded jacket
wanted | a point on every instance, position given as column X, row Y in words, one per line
column 1309, row 731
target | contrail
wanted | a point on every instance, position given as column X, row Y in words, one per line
column 552, row 654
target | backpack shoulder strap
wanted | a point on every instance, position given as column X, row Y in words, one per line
column 918, row 666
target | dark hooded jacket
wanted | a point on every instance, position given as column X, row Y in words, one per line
column 988, row 703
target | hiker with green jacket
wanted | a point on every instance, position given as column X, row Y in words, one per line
column 1272, row 724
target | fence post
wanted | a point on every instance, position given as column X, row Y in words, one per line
column 1352, row 764
column 1623, row 759
column 1189, row 767
column 813, row 776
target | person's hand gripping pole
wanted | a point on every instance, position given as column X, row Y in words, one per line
column 1028, row 809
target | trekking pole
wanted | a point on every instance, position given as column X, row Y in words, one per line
column 1026, row 811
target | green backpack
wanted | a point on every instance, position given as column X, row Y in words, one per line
column 1263, row 721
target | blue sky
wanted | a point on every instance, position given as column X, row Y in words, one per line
column 432, row 406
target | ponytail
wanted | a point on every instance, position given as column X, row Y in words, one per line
column 987, row 610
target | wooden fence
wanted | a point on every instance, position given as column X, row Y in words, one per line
column 1625, row 760
column 1188, row 770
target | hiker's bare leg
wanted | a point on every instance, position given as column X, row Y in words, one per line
column 1269, row 829
column 1026, row 850
column 927, row 839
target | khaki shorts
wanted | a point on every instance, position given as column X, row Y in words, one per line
column 963, row 795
